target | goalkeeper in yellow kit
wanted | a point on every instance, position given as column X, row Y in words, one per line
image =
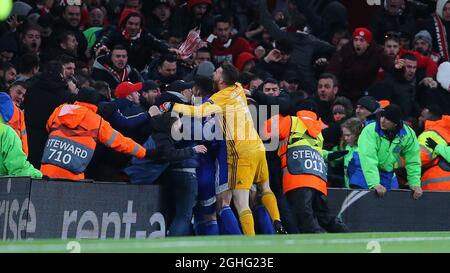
column 245, row 151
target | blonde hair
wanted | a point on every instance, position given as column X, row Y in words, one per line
column 354, row 125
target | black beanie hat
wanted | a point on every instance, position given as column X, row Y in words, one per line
column 88, row 95
column 368, row 102
column 392, row 113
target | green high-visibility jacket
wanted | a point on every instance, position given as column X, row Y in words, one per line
column 376, row 153
column 13, row 161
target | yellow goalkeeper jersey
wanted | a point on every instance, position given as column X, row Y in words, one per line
column 230, row 106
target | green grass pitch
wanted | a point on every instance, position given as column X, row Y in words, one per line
column 433, row 242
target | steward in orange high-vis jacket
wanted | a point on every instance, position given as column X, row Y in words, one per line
column 74, row 130
column 304, row 169
column 435, row 155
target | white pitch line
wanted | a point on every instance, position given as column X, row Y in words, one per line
column 207, row 244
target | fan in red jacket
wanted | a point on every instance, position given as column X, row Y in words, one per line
column 225, row 46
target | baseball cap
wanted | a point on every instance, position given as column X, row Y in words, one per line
column 149, row 85
column 180, row 85
column 126, row 88
column 368, row 102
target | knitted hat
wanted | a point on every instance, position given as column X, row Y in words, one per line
column 126, row 88
column 88, row 95
column 393, row 113
column 6, row 107
column 364, row 33
column 21, row 8
column 368, row 102
column 424, row 35
column 205, row 69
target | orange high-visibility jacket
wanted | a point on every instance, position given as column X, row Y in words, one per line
column 74, row 130
column 302, row 134
column 17, row 122
column 436, row 164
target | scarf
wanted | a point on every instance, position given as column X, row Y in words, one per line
column 120, row 76
column 127, row 37
column 441, row 34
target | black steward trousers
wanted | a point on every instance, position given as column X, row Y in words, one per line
column 311, row 212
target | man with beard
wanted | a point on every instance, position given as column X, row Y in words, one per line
column 67, row 45
column 327, row 89
column 8, row 75
column 356, row 64
column 163, row 71
column 68, row 64
column 245, row 151
column 113, row 68
column 430, row 112
column 423, row 43
column 70, row 21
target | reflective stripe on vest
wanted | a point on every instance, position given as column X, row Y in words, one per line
column 67, row 154
column 135, row 150
column 304, row 153
column 425, row 149
column 111, row 139
column 436, row 180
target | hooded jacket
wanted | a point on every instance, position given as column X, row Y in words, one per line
column 440, row 7
column 139, row 48
column 243, row 59
column 50, row 88
column 74, row 130
column 436, row 164
column 165, row 145
column 377, row 153
column 13, row 162
column 176, row 97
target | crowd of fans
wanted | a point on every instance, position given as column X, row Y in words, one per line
column 90, row 90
